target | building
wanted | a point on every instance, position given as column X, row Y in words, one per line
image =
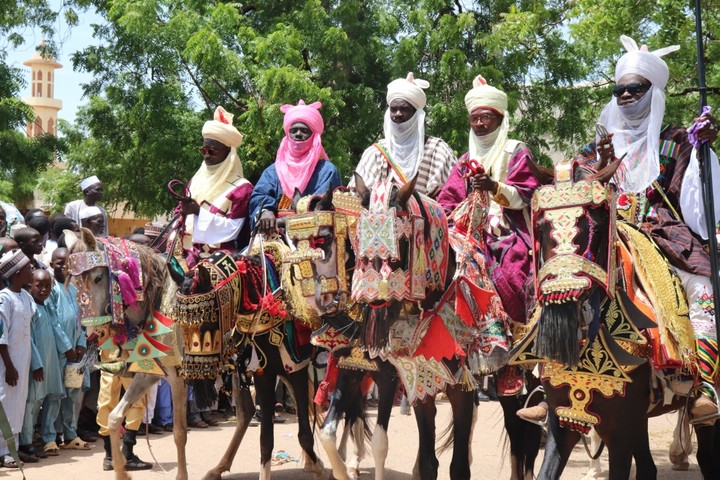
column 42, row 91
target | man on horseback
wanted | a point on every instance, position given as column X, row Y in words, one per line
column 217, row 205
column 406, row 151
column 657, row 173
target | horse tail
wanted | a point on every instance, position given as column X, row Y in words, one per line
column 316, row 415
column 557, row 337
column 446, row 439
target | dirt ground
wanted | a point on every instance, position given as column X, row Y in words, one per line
column 490, row 460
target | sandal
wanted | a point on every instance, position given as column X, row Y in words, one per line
column 8, row 462
column 76, row 444
column 27, row 457
column 51, row 449
column 198, row 424
column 209, row 420
column 32, row 451
column 88, row 436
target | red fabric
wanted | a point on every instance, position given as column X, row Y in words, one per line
column 438, row 343
column 482, row 297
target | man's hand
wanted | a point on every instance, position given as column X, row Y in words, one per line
column 484, row 183
column 71, row 355
column 708, row 132
column 189, row 207
column 267, row 222
column 79, row 353
column 39, row 375
column 605, row 151
column 11, row 375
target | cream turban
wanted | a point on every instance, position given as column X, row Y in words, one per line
column 483, row 95
column 640, row 61
column 409, row 89
column 89, row 181
column 88, row 212
column 12, row 262
column 222, row 130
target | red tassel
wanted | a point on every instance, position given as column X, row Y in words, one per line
column 129, row 295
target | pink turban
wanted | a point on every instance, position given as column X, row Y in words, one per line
column 295, row 161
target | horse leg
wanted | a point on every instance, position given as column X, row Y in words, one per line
column 425, row 412
column 463, row 411
column 707, row 453
column 681, row 446
column 645, row 465
column 524, row 439
column 299, row 381
column 265, row 393
column 346, row 390
column 139, row 385
column 622, row 444
column 358, row 435
column 386, row 380
column 244, row 411
column 178, row 390
column 559, row 446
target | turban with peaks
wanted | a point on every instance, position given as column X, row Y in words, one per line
column 409, row 89
column 222, row 130
column 484, row 95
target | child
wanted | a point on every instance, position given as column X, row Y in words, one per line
column 46, row 390
column 16, row 312
column 31, row 244
column 63, row 299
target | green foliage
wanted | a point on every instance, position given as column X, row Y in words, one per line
column 59, row 187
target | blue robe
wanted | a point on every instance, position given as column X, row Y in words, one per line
column 268, row 192
column 49, row 343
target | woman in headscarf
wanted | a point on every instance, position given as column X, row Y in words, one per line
column 217, row 208
column 301, row 164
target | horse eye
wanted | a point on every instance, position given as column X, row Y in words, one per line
column 97, row 280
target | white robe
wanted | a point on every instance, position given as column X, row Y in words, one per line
column 16, row 313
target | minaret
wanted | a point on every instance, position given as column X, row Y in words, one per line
column 42, row 89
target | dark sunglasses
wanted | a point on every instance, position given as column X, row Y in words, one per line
column 208, row 150
column 632, row 89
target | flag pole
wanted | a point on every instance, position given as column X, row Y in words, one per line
column 706, row 176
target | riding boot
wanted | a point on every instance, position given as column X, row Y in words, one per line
column 133, row 462
column 107, row 461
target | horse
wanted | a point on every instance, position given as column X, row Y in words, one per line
column 588, row 328
column 125, row 296
column 246, row 314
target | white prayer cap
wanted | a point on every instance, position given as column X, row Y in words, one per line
column 12, row 262
column 89, row 181
column 640, row 61
column 483, row 95
column 222, row 130
column 16, row 227
column 409, row 89
column 88, row 212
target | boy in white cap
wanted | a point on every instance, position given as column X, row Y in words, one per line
column 92, row 189
column 406, row 151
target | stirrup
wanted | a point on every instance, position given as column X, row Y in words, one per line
column 541, row 423
column 711, row 416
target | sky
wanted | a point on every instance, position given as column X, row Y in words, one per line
column 70, row 40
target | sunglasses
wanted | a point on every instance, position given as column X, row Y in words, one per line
column 631, row 88
column 483, row 117
column 208, row 150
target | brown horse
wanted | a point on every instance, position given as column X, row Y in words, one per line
column 584, row 315
column 109, row 310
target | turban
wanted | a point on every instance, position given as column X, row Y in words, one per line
column 295, row 161
column 483, row 95
column 88, row 182
column 12, row 262
column 222, row 130
column 409, row 89
column 636, row 127
column 88, row 212
column 153, row 229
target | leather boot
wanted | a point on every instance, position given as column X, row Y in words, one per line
column 132, row 461
column 107, row 461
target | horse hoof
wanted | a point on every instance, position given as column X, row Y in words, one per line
column 681, row 467
column 354, row 474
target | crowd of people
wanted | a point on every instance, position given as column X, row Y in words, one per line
column 41, row 337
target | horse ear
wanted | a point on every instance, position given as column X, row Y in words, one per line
column 326, row 202
column 362, row 190
column 604, row 175
column 204, row 283
column 296, row 198
column 71, row 238
column 406, row 192
column 88, row 238
column 543, row 174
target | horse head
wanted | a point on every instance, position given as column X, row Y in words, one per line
column 402, row 255
column 119, row 283
column 573, row 235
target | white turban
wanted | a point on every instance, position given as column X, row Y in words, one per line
column 12, row 261
column 407, row 140
column 88, row 212
column 489, row 149
column 483, row 95
column 222, row 130
column 637, row 126
column 89, row 181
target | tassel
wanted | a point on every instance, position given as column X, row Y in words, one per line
column 129, row 295
column 132, row 268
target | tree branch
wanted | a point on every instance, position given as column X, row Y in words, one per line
column 710, row 90
column 242, row 106
column 206, row 97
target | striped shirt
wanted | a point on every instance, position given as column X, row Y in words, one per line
column 438, row 159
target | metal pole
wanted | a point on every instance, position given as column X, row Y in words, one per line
column 706, row 176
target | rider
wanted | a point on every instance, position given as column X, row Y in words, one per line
column 654, row 168
column 217, row 205
column 301, row 164
column 406, row 151
column 510, row 183
column 93, row 192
